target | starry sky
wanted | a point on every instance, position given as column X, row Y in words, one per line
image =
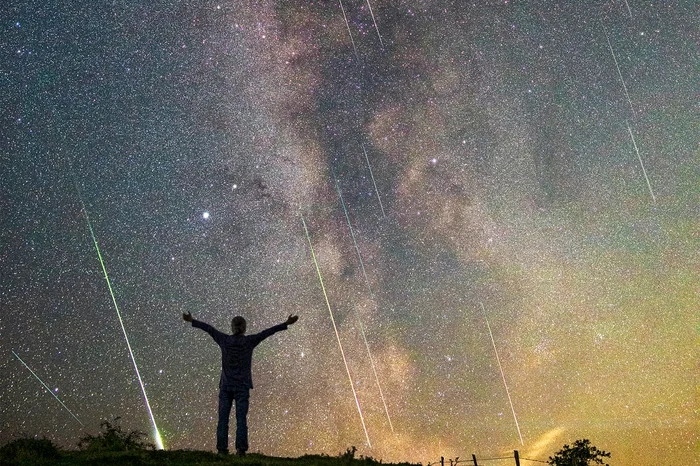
column 538, row 159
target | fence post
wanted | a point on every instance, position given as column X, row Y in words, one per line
column 517, row 457
column 474, row 459
column 442, row 461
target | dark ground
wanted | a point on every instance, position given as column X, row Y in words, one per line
column 37, row 452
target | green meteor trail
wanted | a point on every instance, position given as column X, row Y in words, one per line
column 156, row 433
column 337, row 335
column 47, row 388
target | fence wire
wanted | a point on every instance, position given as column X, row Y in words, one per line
column 457, row 460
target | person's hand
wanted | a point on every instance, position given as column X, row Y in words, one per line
column 187, row 317
column 291, row 319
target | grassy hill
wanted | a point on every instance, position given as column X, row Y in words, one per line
column 37, row 452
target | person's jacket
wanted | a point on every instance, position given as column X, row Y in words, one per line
column 237, row 353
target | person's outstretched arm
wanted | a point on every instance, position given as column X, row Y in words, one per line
column 215, row 334
column 258, row 337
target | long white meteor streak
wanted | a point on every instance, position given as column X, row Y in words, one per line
column 375, row 24
column 337, row 335
column 352, row 235
column 636, row 149
column 628, row 8
column 371, row 174
column 374, row 369
column 369, row 288
column 156, row 433
column 624, row 86
column 347, row 24
column 46, row 387
column 515, row 418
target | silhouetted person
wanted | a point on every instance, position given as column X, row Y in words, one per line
column 236, row 375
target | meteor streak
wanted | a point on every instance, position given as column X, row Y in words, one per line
column 337, row 335
column 352, row 235
column 375, row 23
column 624, row 86
column 357, row 314
column 373, row 182
column 641, row 163
column 628, row 8
column 156, row 433
column 348, row 26
column 515, row 418
column 374, row 369
column 47, row 388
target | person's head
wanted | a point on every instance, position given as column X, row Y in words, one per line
column 238, row 325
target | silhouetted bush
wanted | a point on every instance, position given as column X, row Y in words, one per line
column 349, row 454
column 113, row 438
column 29, row 450
column 582, row 453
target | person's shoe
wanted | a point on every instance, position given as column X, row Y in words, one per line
column 222, row 452
column 240, row 452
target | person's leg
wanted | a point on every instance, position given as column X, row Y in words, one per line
column 242, row 396
column 225, row 402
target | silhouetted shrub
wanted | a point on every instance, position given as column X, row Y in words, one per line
column 113, row 438
column 582, row 453
column 29, row 450
column 349, row 453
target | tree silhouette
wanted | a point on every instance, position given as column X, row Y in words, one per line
column 582, row 453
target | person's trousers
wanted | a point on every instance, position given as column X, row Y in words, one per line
column 226, row 398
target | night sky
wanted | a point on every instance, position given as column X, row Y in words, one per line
column 537, row 158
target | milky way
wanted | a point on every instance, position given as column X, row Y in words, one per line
column 537, row 157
